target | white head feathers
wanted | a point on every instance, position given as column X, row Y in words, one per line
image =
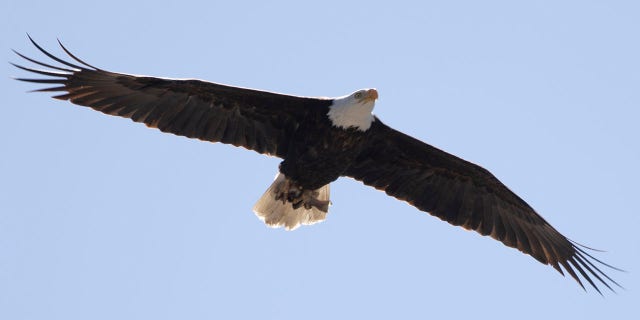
column 354, row 110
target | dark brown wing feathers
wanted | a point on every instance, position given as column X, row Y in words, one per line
column 469, row 196
column 257, row 120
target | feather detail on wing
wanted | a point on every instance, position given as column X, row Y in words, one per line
column 469, row 196
column 257, row 120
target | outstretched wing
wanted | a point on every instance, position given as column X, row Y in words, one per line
column 469, row 196
column 257, row 120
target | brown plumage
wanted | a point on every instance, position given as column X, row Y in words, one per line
column 191, row 108
column 316, row 151
column 466, row 195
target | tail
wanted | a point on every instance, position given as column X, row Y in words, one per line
column 276, row 213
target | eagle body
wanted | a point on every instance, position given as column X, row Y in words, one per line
column 320, row 149
column 320, row 152
column 320, row 140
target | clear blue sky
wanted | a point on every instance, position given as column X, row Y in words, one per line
column 102, row 218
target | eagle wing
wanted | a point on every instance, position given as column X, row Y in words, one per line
column 257, row 120
column 466, row 195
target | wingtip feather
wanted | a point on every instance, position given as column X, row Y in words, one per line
column 74, row 57
column 54, row 57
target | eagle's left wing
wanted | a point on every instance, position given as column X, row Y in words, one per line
column 466, row 195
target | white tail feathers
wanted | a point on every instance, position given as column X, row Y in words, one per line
column 277, row 214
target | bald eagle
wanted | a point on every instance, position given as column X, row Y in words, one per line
column 320, row 140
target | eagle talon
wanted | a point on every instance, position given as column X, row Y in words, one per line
column 287, row 191
column 310, row 199
column 298, row 204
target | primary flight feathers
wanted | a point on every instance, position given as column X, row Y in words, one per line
column 320, row 140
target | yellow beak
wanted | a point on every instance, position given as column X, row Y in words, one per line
column 372, row 94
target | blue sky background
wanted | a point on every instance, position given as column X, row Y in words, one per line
column 102, row 218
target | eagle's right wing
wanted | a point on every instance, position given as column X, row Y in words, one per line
column 257, row 120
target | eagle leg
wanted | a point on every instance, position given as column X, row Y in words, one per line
column 310, row 199
column 289, row 191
